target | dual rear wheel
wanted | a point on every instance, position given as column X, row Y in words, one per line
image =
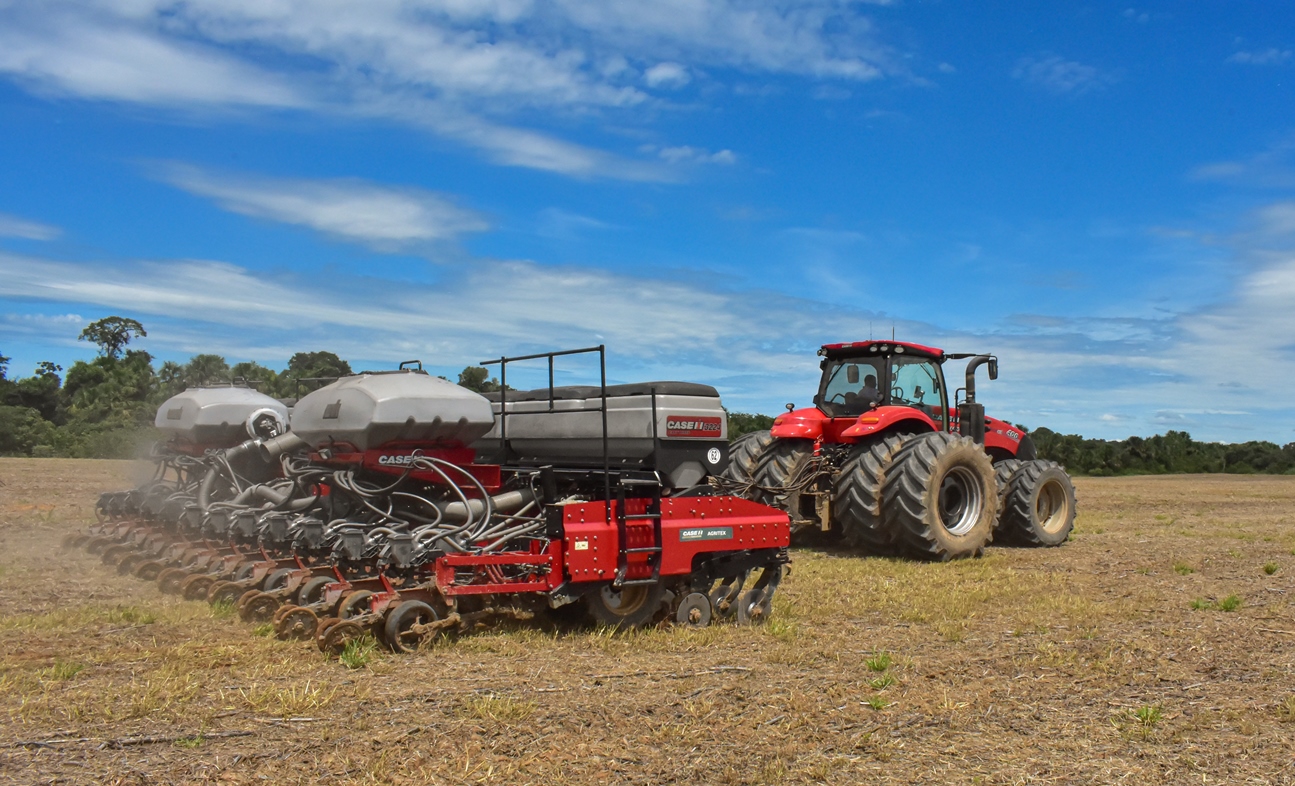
column 934, row 496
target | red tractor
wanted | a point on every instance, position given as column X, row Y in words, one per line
column 884, row 462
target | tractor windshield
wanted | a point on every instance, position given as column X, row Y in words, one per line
column 915, row 382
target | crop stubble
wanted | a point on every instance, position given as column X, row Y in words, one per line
column 1081, row 664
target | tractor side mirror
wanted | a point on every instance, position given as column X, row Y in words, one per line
column 993, row 368
column 852, row 374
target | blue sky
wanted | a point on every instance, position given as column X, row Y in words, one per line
column 1103, row 195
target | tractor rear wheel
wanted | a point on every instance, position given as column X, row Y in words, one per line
column 940, row 497
column 856, row 503
column 1003, row 472
column 1040, row 504
column 744, row 454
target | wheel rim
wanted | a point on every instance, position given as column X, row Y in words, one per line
column 1050, row 506
column 407, row 616
column 961, row 499
column 625, row 601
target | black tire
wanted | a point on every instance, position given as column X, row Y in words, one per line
column 396, row 631
column 940, row 497
column 631, row 607
column 1040, row 504
column 744, row 454
column 276, row 579
column 856, row 500
column 354, row 604
column 312, row 591
column 1003, row 472
column 784, row 461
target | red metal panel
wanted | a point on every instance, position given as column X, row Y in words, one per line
column 689, row 526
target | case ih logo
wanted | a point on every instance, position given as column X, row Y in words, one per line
column 395, row 461
column 680, row 426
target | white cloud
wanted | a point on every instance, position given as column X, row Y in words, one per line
column 381, row 216
column 464, row 70
column 667, row 75
column 119, row 62
column 1097, row 376
column 1059, row 75
column 685, row 154
column 1271, row 56
column 13, row 226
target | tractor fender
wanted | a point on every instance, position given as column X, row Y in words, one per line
column 799, row 424
column 1003, row 436
column 886, row 418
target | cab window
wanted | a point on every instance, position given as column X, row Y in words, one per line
column 852, row 386
column 915, row 382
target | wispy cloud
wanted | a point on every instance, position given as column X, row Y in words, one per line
column 383, row 217
column 1271, row 56
column 466, row 71
column 1058, row 75
column 118, row 61
column 1098, row 376
column 1270, row 168
column 667, row 75
column 13, row 226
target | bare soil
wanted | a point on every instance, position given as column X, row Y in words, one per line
column 1112, row 658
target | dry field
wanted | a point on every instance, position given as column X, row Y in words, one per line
column 1156, row 647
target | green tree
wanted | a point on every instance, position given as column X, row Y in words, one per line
column 311, row 365
column 109, row 390
column 740, row 423
column 39, row 391
column 254, row 374
column 21, row 429
column 4, row 366
column 478, row 378
column 202, row 370
column 112, row 334
column 170, row 380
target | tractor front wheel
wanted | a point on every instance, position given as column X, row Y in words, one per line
column 783, row 476
column 744, row 454
column 940, row 497
column 856, row 503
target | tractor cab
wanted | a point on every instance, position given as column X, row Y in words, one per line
column 861, row 377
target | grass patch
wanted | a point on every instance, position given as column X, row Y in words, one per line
column 876, row 702
column 780, row 629
column 879, row 662
column 1230, row 603
column 1286, row 710
column 1270, row 568
column 291, row 702
column 62, row 670
column 264, row 629
column 500, row 709
column 358, row 652
column 223, row 610
column 1145, row 720
column 882, row 682
column 1183, row 569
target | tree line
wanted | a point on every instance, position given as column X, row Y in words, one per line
column 104, row 408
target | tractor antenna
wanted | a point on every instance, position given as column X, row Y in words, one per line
column 892, row 331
